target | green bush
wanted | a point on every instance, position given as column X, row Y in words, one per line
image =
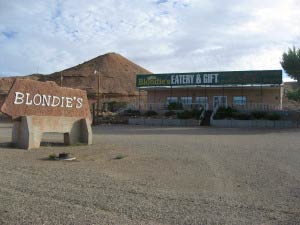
column 229, row 113
column 225, row 112
column 185, row 115
column 219, row 116
column 241, row 116
column 52, row 156
column 196, row 113
column 150, row 113
column 258, row 115
column 119, row 156
column 130, row 112
column 114, row 106
column 175, row 106
column 170, row 113
column 294, row 95
column 273, row 116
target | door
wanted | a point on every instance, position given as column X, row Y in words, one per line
column 220, row 101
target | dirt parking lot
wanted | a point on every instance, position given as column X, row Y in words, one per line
column 165, row 176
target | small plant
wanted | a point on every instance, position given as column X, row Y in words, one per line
column 170, row 113
column 259, row 115
column 185, row 115
column 114, row 106
column 241, row 116
column 175, row 106
column 219, row 116
column 131, row 112
column 150, row 113
column 274, row 116
column 196, row 113
column 230, row 113
column 225, row 112
column 52, row 156
column 120, row 156
column 63, row 155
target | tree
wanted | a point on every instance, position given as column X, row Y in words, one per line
column 291, row 63
column 294, row 95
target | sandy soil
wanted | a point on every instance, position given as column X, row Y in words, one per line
column 167, row 176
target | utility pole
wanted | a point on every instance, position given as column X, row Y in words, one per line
column 98, row 92
column 61, row 79
column 139, row 99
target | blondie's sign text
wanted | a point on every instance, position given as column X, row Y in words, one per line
column 47, row 100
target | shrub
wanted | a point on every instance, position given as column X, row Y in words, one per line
column 196, row 113
column 119, row 156
column 273, row 116
column 170, row 113
column 150, row 113
column 241, row 116
column 219, row 116
column 114, row 106
column 131, row 112
column 230, row 111
column 175, row 106
column 52, row 156
column 294, row 95
column 259, row 115
column 225, row 112
column 185, row 115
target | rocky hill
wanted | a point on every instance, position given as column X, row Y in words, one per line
column 116, row 73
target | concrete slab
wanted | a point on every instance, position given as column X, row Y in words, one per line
column 28, row 131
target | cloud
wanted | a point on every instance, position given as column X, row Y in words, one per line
column 160, row 35
column 161, row 1
column 9, row 34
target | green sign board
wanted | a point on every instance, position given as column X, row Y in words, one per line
column 210, row 78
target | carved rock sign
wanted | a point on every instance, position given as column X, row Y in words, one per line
column 34, row 98
column 39, row 107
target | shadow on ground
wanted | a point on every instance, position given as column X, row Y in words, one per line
column 43, row 144
column 7, row 145
column 153, row 130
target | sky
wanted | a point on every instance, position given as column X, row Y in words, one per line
column 160, row 35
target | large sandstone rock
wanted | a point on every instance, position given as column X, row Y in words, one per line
column 34, row 98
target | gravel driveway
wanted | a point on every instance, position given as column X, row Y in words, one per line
column 165, row 176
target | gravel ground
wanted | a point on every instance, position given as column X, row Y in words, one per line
column 167, row 176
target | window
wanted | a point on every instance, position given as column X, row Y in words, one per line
column 202, row 101
column 220, row 101
column 239, row 100
column 186, row 100
column 171, row 99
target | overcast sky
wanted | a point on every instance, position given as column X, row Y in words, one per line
column 160, row 35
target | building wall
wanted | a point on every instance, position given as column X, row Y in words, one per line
column 264, row 95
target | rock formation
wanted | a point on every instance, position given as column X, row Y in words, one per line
column 115, row 74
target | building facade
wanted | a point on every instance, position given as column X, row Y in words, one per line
column 241, row 89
